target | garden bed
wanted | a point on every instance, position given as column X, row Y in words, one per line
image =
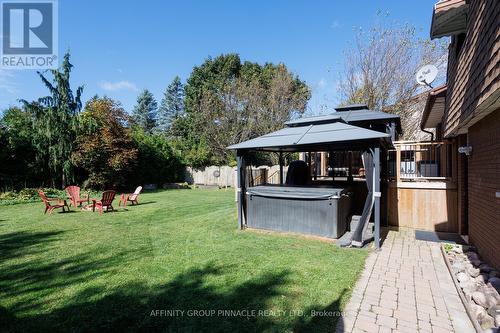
column 478, row 285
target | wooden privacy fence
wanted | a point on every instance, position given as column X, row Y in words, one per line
column 213, row 175
column 422, row 191
column 225, row 176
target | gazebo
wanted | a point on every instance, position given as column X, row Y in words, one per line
column 279, row 206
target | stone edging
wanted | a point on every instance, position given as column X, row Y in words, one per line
column 460, row 292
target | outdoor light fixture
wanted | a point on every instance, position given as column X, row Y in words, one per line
column 467, row 150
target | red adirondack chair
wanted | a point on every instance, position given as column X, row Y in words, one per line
column 105, row 202
column 133, row 197
column 74, row 196
column 50, row 207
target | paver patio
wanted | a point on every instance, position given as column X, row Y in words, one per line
column 405, row 287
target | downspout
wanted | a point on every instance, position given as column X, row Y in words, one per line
column 428, row 132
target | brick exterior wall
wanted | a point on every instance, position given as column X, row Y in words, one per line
column 462, row 186
column 474, row 71
column 483, row 183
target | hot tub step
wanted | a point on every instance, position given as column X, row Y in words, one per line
column 346, row 239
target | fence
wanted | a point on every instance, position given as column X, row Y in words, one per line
column 221, row 176
column 422, row 193
column 225, row 176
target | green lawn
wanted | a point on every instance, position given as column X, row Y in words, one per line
column 178, row 250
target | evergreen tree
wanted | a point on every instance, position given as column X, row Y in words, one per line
column 55, row 123
column 172, row 104
column 144, row 113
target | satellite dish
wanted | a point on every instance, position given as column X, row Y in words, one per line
column 426, row 75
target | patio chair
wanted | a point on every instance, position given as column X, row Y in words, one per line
column 61, row 203
column 133, row 198
column 105, row 202
column 74, row 196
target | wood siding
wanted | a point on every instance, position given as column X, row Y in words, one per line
column 474, row 71
column 483, row 183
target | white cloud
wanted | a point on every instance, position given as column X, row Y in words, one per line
column 117, row 86
column 335, row 25
column 322, row 83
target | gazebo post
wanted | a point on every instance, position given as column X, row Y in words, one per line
column 377, row 194
column 315, row 165
column 281, row 168
column 309, row 161
column 240, row 179
column 349, row 158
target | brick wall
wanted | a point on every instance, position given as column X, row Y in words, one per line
column 484, row 181
column 474, row 72
column 461, row 178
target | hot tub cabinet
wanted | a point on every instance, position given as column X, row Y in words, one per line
column 308, row 210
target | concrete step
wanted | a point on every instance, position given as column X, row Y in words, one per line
column 345, row 240
column 354, row 222
column 367, row 236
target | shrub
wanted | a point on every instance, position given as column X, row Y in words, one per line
column 28, row 195
column 157, row 162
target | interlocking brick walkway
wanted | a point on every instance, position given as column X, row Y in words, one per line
column 405, row 287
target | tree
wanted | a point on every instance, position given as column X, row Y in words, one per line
column 17, row 156
column 157, row 163
column 172, row 105
column 229, row 102
column 144, row 113
column 104, row 148
column 380, row 71
column 55, row 123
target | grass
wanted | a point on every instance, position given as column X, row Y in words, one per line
column 178, row 250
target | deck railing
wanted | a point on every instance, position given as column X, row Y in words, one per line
column 421, row 160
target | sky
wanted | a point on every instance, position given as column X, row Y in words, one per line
column 119, row 48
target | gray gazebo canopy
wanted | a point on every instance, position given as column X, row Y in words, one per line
column 329, row 136
column 357, row 114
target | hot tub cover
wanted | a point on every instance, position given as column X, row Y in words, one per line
column 296, row 192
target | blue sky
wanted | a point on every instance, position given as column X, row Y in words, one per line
column 121, row 47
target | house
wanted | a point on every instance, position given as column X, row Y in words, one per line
column 466, row 112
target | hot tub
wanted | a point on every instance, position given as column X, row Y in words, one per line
column 319, row 211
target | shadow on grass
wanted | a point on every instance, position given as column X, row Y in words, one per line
column 132, row 306
column 22, row 243
column 67, row 211
column 325, row 319
column 141, row 203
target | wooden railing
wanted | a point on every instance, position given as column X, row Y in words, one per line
column 263, row 176
column 421, row 160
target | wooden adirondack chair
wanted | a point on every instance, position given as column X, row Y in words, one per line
column 50, row 207
column 74, row 195
column 105, row 202
column 133, row 197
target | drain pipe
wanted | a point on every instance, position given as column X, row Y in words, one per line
column 428, row 132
